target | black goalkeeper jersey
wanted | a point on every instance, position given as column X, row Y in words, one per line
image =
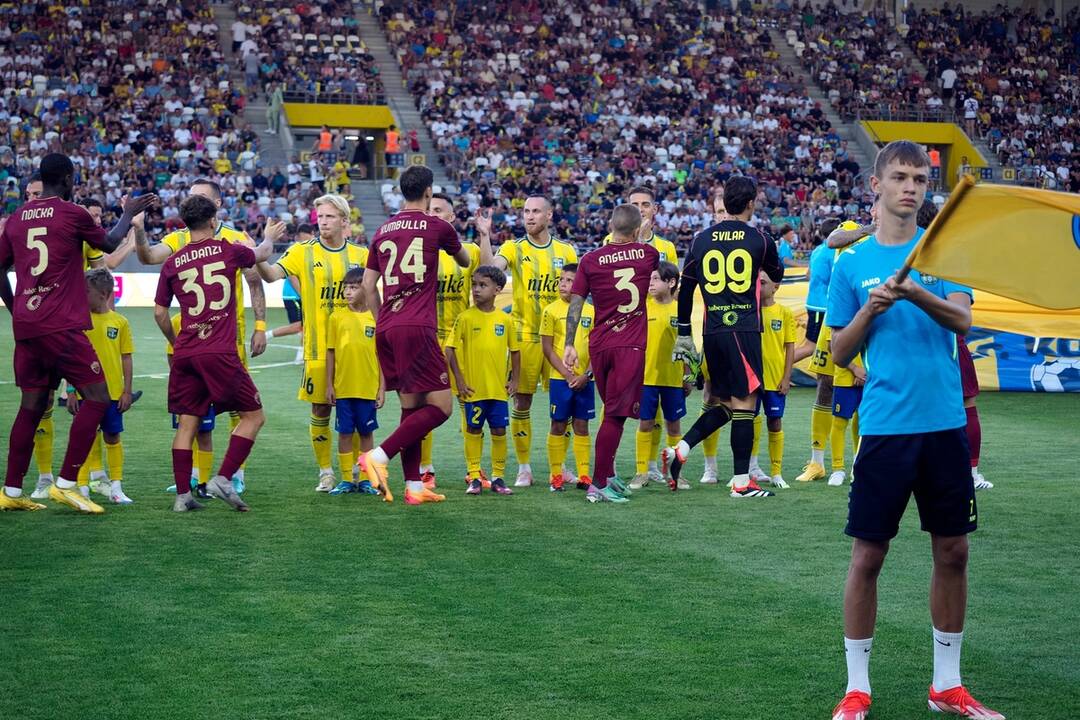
column 725, row 261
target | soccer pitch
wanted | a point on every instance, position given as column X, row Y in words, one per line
column 534, row 606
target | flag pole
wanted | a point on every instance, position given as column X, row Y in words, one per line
column 966, row 183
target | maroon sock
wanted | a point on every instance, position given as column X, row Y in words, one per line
column 239, row 449
column 21, row 445
column 607, row 444
column 83, row 431
column 410, row 462
column 974, row 433
column 415, row 424
column 181, row 469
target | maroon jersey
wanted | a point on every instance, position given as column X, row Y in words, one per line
column 405, row 250
column 44, row 239
column 202, row 277
column 617, row 276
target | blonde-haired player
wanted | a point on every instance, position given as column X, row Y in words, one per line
column 534, row 263
column 452, row 299
column 320, row 266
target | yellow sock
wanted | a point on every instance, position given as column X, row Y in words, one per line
column 673, row 440
column 43, row 444
column 355, row 447
column 556, row 450
column 856, row 439
column 521, row 426
column 776, row 452
column 820, row 422
column 234, row 420
column 345, row 460
column 465, row 425
column 654, row 441
column 93, row 461
column 115, row 456
column 498, row 455
column 320, row 441
column 839, row 428
column 709, row 444
column 582, row 454
column 757, row 434
column 205, row 462
column 474, row 448
column 425, row 449
column 643, row 450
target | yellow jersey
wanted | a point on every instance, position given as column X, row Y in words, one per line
column 535, row 272
column 553, row 325
column 779, row 331
column 176, row 331
column 90, row 256
column 455, row 289
column 482, row 342
column 660, row 369
column 320, row 271
column 111, row 338
column 666, row 248
column 180, row 238
column 351, row 335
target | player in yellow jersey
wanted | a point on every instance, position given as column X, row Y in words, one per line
column 354, row 385
column 482, row 354
column 778, row 357
column 171, row 243
column 571, row 390
column 320, row 265
column 664, row 379
column 534, row 263
column 644, row 200
column 455, row 289
column 111, row 338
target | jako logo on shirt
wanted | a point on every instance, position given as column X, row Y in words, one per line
column 872, row 282
column 500, row 330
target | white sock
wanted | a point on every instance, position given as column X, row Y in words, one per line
column 975, row 472
column 947, row 659
column 239, row 473
column 379, row 456
column 740, row 481
column 84, row 490
column 195, row 475
column 427, row 469
column 64, row 484
column 652, row 466
column 817, row 456
column 326, row 470
column 12, row 492
column 524, row 467
column 858, row 664
column 97, row 475
column 754, row 463
column 44, row 476
column 710, row 464
column 414, row 486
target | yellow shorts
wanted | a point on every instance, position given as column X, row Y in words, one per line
column 534, row 369
column 822, row 362
column 313, row 383
column 843, row 377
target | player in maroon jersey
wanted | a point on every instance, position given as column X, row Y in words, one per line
column 617, row 276
column 206, row 368
column 43, row 241
column 405, row 254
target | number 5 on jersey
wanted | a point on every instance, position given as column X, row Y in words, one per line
column 192, row 285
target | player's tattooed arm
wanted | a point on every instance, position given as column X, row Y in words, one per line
column 573, row 318
column 147, row 254
column 258, row 308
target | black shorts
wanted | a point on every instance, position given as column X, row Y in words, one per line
column 933, row 466
column 814, row 320
column 292, row 309
column 734, row 363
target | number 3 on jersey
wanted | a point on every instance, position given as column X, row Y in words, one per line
column 624, row 278
column 412, row 261
column 727, row 271
column 192, row 285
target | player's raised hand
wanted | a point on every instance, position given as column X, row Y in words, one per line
column 570, row 357
column 483, row 221
column 140, row 204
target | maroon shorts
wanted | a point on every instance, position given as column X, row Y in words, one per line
column 969, row 380
column 41, row 362
column 620, row 376
column 197, row 381
column 412, row 360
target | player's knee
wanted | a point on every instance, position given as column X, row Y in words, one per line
column 110, row 439
column 522, row 402
column 36, row 401
column 774, row 424
column 951, row 553
column 558, row 428
column 867, row 558
column 255, row 418
column 581, row 427
column 320, row 410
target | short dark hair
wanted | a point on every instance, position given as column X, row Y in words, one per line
column 493, row 274
column 904, row 152
column 739, row 192
column 927, row 212
column 197, row 212
column 209, row 183
column 784, row 230
column 92, row 202
column 641, row 190
column 56, row 168
column 570, row 267
column 668, row 271
column 444, row 197
column 100, row 279
column 825, row 229
column 353, row 277
column 625, row 220
column 34, row 177
column 415, row 181
column 305, row 228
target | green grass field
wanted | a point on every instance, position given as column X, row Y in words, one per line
column 534, row 606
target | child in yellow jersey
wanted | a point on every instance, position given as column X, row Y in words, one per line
column 848, row 385
column 664, row 385
column 111, row 338
column 570, row 392
column 203, row 448
column 778, row 357
column 482, row 352
column 354, row 384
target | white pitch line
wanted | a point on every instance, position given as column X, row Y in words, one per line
column 165, row 376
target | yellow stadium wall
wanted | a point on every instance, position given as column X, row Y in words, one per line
column 930, row 134
column 338, row 116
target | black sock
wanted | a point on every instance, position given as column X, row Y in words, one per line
column 742, row 440
column 709, row 422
